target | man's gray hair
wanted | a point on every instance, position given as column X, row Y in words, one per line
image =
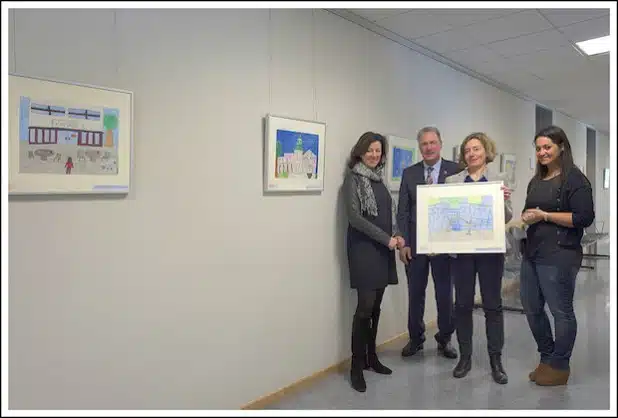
column 428, row 129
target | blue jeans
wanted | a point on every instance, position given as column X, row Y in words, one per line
column 554, row 284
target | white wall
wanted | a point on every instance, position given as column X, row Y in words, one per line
column 196, row 291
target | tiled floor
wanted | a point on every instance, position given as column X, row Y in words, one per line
column 425, row 381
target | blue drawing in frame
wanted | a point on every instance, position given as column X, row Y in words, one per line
column 403, row 157
column 296, row 155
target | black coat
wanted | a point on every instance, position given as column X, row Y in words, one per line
column 372, row 264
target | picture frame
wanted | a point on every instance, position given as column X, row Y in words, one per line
column 460, row 218
column 456, row 149
column 68, row 138
column 293, row 155
column 401, row 153
column 606, row 178
column 508, row 164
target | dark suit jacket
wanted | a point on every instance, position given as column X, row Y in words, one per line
column 406, row 212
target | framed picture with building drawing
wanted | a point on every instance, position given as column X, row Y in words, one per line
column 401, row 154
column 293, row 155
column 67, row 138
column 508, row 164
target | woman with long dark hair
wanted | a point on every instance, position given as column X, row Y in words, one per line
column 371, row 238
column 559, row 205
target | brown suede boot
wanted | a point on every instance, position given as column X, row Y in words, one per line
column 551, row 377
column 539, row 368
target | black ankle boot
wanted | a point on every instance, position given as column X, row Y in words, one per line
column 497, row 371
column 356, row 376
column 463, row 366
column 359, row 353
column 373, row 363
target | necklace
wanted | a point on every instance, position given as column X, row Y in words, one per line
column 552, row 175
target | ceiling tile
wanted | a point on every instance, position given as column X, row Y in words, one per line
column 573, row 86
column 451, row 40
column 539, row 41
column 463, row 17
column 472, row 55
column 414, row 24
column 600, row 63
column 510, row 26
column 564, row 17
column 377, row 14
column 497, row 65
column 589, row 29
column 517, row 80
column 601, row 59
column 551, row 62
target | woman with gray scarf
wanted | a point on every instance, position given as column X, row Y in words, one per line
column 371, row 238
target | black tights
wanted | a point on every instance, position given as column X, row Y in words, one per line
column 369, row 302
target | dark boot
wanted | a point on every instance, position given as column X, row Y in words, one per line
column 497, row 371
column 464, row 329
column 372, row 356
column 463, row 366
column 359, row 332
column 445, row 348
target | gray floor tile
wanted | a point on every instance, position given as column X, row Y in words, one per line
column 425, row 380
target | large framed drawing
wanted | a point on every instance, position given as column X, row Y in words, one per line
column 67, row 138
column 508, row 164
column 460, row 218
column 401, row 154
column 293, row 155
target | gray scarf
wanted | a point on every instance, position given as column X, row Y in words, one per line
column 363, row 187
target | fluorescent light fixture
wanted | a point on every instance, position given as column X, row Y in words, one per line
column 594, row 46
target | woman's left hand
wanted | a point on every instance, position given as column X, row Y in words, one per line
column 507, row 192
column 532, row 216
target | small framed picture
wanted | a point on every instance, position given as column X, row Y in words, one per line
column 508, row 164
column 456, row 153
column 294, row 155
column 402, row 153
column 606, row 178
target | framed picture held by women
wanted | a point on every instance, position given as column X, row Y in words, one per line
column 460, row 218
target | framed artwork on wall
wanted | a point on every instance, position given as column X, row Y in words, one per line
column 606, row 178
column 508, row 164
column 67, row 138
column 456, row 153
column 401, row 154
column 293, row 155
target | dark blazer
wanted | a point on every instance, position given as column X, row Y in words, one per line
column 406, row 213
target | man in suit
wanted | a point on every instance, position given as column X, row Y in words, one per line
column 432, row 170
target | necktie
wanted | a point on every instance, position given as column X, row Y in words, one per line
column 429, row 178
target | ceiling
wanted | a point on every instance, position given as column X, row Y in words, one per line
column 528, row 52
